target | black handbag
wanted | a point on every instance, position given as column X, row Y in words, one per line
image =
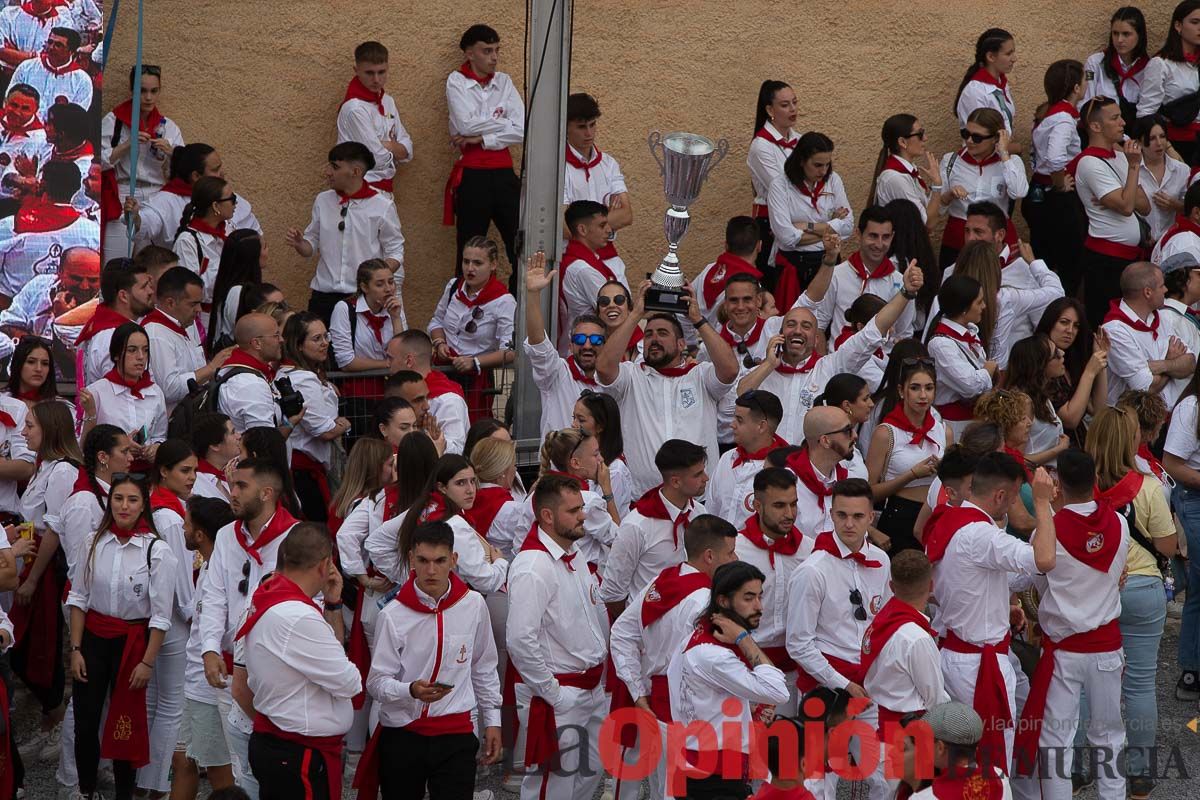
column 1182, row 110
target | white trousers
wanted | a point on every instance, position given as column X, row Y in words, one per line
column 164, row 707
column 580, row 770
column 627, row 789
column 961, row 670
column 239, row 747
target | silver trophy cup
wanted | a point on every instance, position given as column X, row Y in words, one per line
column 685, row 161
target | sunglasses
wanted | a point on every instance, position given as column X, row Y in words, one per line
column 860, row 613
column 473, row 324
column 977, row 138
column 619, row 299
column 244, row 583
column 342, row 224
column 595, row 339
column 849, row 429
column 918, row 134
column 122, row 477
column 917, row 362
column 232, row 199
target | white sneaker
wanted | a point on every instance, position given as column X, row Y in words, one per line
column 52, row 744
column 486, row 794
column 32, row 747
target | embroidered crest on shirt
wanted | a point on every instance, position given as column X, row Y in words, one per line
column 876, row 604
column 462, row 655
column 124, row 728
column 866, row 640
column 748, row 502
column 652, row 595
column 687, row 398
column 1095, row 542
column 498, row 113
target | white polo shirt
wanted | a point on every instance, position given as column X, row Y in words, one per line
column 1129, row 354
column 54, row 86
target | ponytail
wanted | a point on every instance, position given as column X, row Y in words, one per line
column 894, row 127
column 990, row 41
column 102, row 438
column 558, row 449
column 189, row 158
column 766, row 96
column 205, row 193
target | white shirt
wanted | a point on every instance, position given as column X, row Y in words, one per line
column 195, row 685
column 27, row 33
column 813, row 513
column 1164, row 81
column 74, row 86
column 30, row 253
column 1129, row 354
column 1180, row 242
column 174, row 360
column 844, row 288
column 556, row 620
column 364, row 516
column 248, row 399
column 516, row 515
column 1182, row 441
column 907, row 674
column 151, row 163
column 600, row 184
column 895, row 185
column 170, row 529
column 116, row 405
column 904, row 455
column 1099, row 84
column 450, row 410
column 360, row 121
column 557, row 386
column 972, row 578
column 407, row 644
column 299, row 673
column 961, row 374
column 493, row 328
column 1055, row 142
column 773, row 624
column 381, row 543
column 579, row 291
column 32, row 145
column 981, row 94
column 494, row 112
column 372, row 230
column 789, row 207
column 163, row 211
column 1174, row 184
column 640, row 652
column 201, row 253
column 365, row 343
column 1094, row 178
column 46, row 490
column 643, row 548
column 208, row 485
column 75, row 520
column 996, row 182
column 123, row 581
column 1044, row 435
column 13, row 446
column 730, row 493
column 320, row 414
column 820, row 616
column 766, row 159
column 1178, row 322
column 655, row 408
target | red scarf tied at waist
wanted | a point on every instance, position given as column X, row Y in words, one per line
column 652, row 506
column 991, row 696
column 34, row 630
column 126, row 732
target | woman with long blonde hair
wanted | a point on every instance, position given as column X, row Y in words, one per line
column 496, row 514
column 576, row 455
column 978, row 260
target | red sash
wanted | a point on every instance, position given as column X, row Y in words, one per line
column 847, row 669
column 35, row 628
column 541, row 742
column 126, row 733
column 991, row 696
column 330, row 748
column 303, row 462
column 944, row 523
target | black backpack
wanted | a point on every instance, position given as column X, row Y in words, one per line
column 199, row 400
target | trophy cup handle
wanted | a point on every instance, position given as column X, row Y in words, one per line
column 718, row 156
column 654, row 140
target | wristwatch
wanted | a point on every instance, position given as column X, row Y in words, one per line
column 908, row 295
column 809, row 227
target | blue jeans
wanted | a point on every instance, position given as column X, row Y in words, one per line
column 1187, row 506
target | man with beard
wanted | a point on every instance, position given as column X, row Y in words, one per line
column 126, row 294
column 717, row 680
column 747, row 333
column 247, row 381
column 175, row 350
column 826, row 457
column 584, row 269
column 666, row 396
column 796, row 372
column 560, row 381
column 46, row 297
column 831, row 599
column 557, row 639
column 756, row 415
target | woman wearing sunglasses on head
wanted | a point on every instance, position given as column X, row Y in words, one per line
column 472, row 326
column 203, row 227
column 905, row 169
column 983, row 170
column 360, row 327
column 613, row 305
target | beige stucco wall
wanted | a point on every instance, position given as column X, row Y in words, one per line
column 262, row 79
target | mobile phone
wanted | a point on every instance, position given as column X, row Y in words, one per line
column 443, row 685
column 778, row 350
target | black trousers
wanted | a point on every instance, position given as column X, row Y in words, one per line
column 322, row 304
column 1057, row 226
column 287, row 770
column 410, row 763
column 897, row 521
column 103, row 660
column 714, row 787
column 488, row 196
column 766, row 238
column 1102, row 284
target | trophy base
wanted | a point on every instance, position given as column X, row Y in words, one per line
column 672, row 301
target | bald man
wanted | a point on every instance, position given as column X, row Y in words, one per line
column 247, row 392
column 48, row 296
column 1140, row 356
column 796, row 372
column 828, row 456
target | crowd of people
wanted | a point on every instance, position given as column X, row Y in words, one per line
column 280, row 549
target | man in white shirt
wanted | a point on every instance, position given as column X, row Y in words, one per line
column 1080, row 601
column 717, row 681
column 351, row 223
column 44, row 298
column 756, row 416
column 650, row 538
column 21, row 135
column 368, row 116
column 487, row 117
column 591, row 174
column 55, row 73
column 794, row 369
column 1106, row 180
column 827, row 456
column 426, row 736
column 741, row 246
column 747, row 331
column 1181, row 276
column 413, row 350
column 176, row 355
column 298, row 672
column 658, row 622
column 24, row 29
column 557, row 639
column 1142, row 352
column 666, row 396
column 126, row 294
column 248, row 396
column 215, row 442
column 973, row 561
column 1184, row 234
column 584, row 269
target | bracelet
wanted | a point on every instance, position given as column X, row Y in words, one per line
column 148, row 666
column 334, row 606
column 478, row 369
column 89, row 419
column 76, row 649
column 741, row 636
column 908, row 295
column 608, row 498
column 700, row 323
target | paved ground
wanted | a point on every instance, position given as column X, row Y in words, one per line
column 1179, row 746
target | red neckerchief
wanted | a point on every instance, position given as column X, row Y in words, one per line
column 786, row 546
column 162, row 497
column 668, row 589
column 124, row 112
column 800, row 369
column 1019, row 457
column 750, row 339
column 577, row 373
column 1127, row 73
column 1155, row 465
column 439, row 385
column 786, row 144
column 826, row 543
column 465, row 69
column 6, row 420
column 436, row 509
column 375, row 322
column 898, row 419
column 966, row 157
column 1097, row 152
column 652, row 506
column 883, row 270
column 240, row 358
column 675, row 372
column 488, row 502
column 1182, row 225
column 140, row 528
column 800, row 463
column 204, row 467
column 277, row 589
column 1115, row 314
column 966, row 338
column 944, row 523
column 44, row 18
column 355, row 90
column 894, row 163
column 491, row 290
column 200, row 226
column 533, row 542
column 1192, row 58
column 29, row 395
column 69, row 67
column 1062, row 107
column 83, row 483
column 578, row 163
column 577, row 251
column 279, row 524
column 717, row 277
column 177, row 186
column 1093, row 540
column 968, row 787
column 894, row 615
column 81, row 150
column 35, row 216
column 407, row 596
column 103, row 319
column 814, row 194
column 703, row 634
column 22, row 131
column 1123, row 491
column 168, row 322
column 363, row 193
column 135, row 387
column 983, row 76
column 1010, row 259
column 744, row 456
